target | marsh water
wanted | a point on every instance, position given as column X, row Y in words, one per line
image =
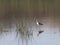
column 18, row 22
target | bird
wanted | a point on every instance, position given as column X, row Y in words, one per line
column 40, row 23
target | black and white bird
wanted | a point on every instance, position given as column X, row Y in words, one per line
column 39, row 23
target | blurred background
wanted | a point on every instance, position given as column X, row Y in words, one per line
column 25, row 13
